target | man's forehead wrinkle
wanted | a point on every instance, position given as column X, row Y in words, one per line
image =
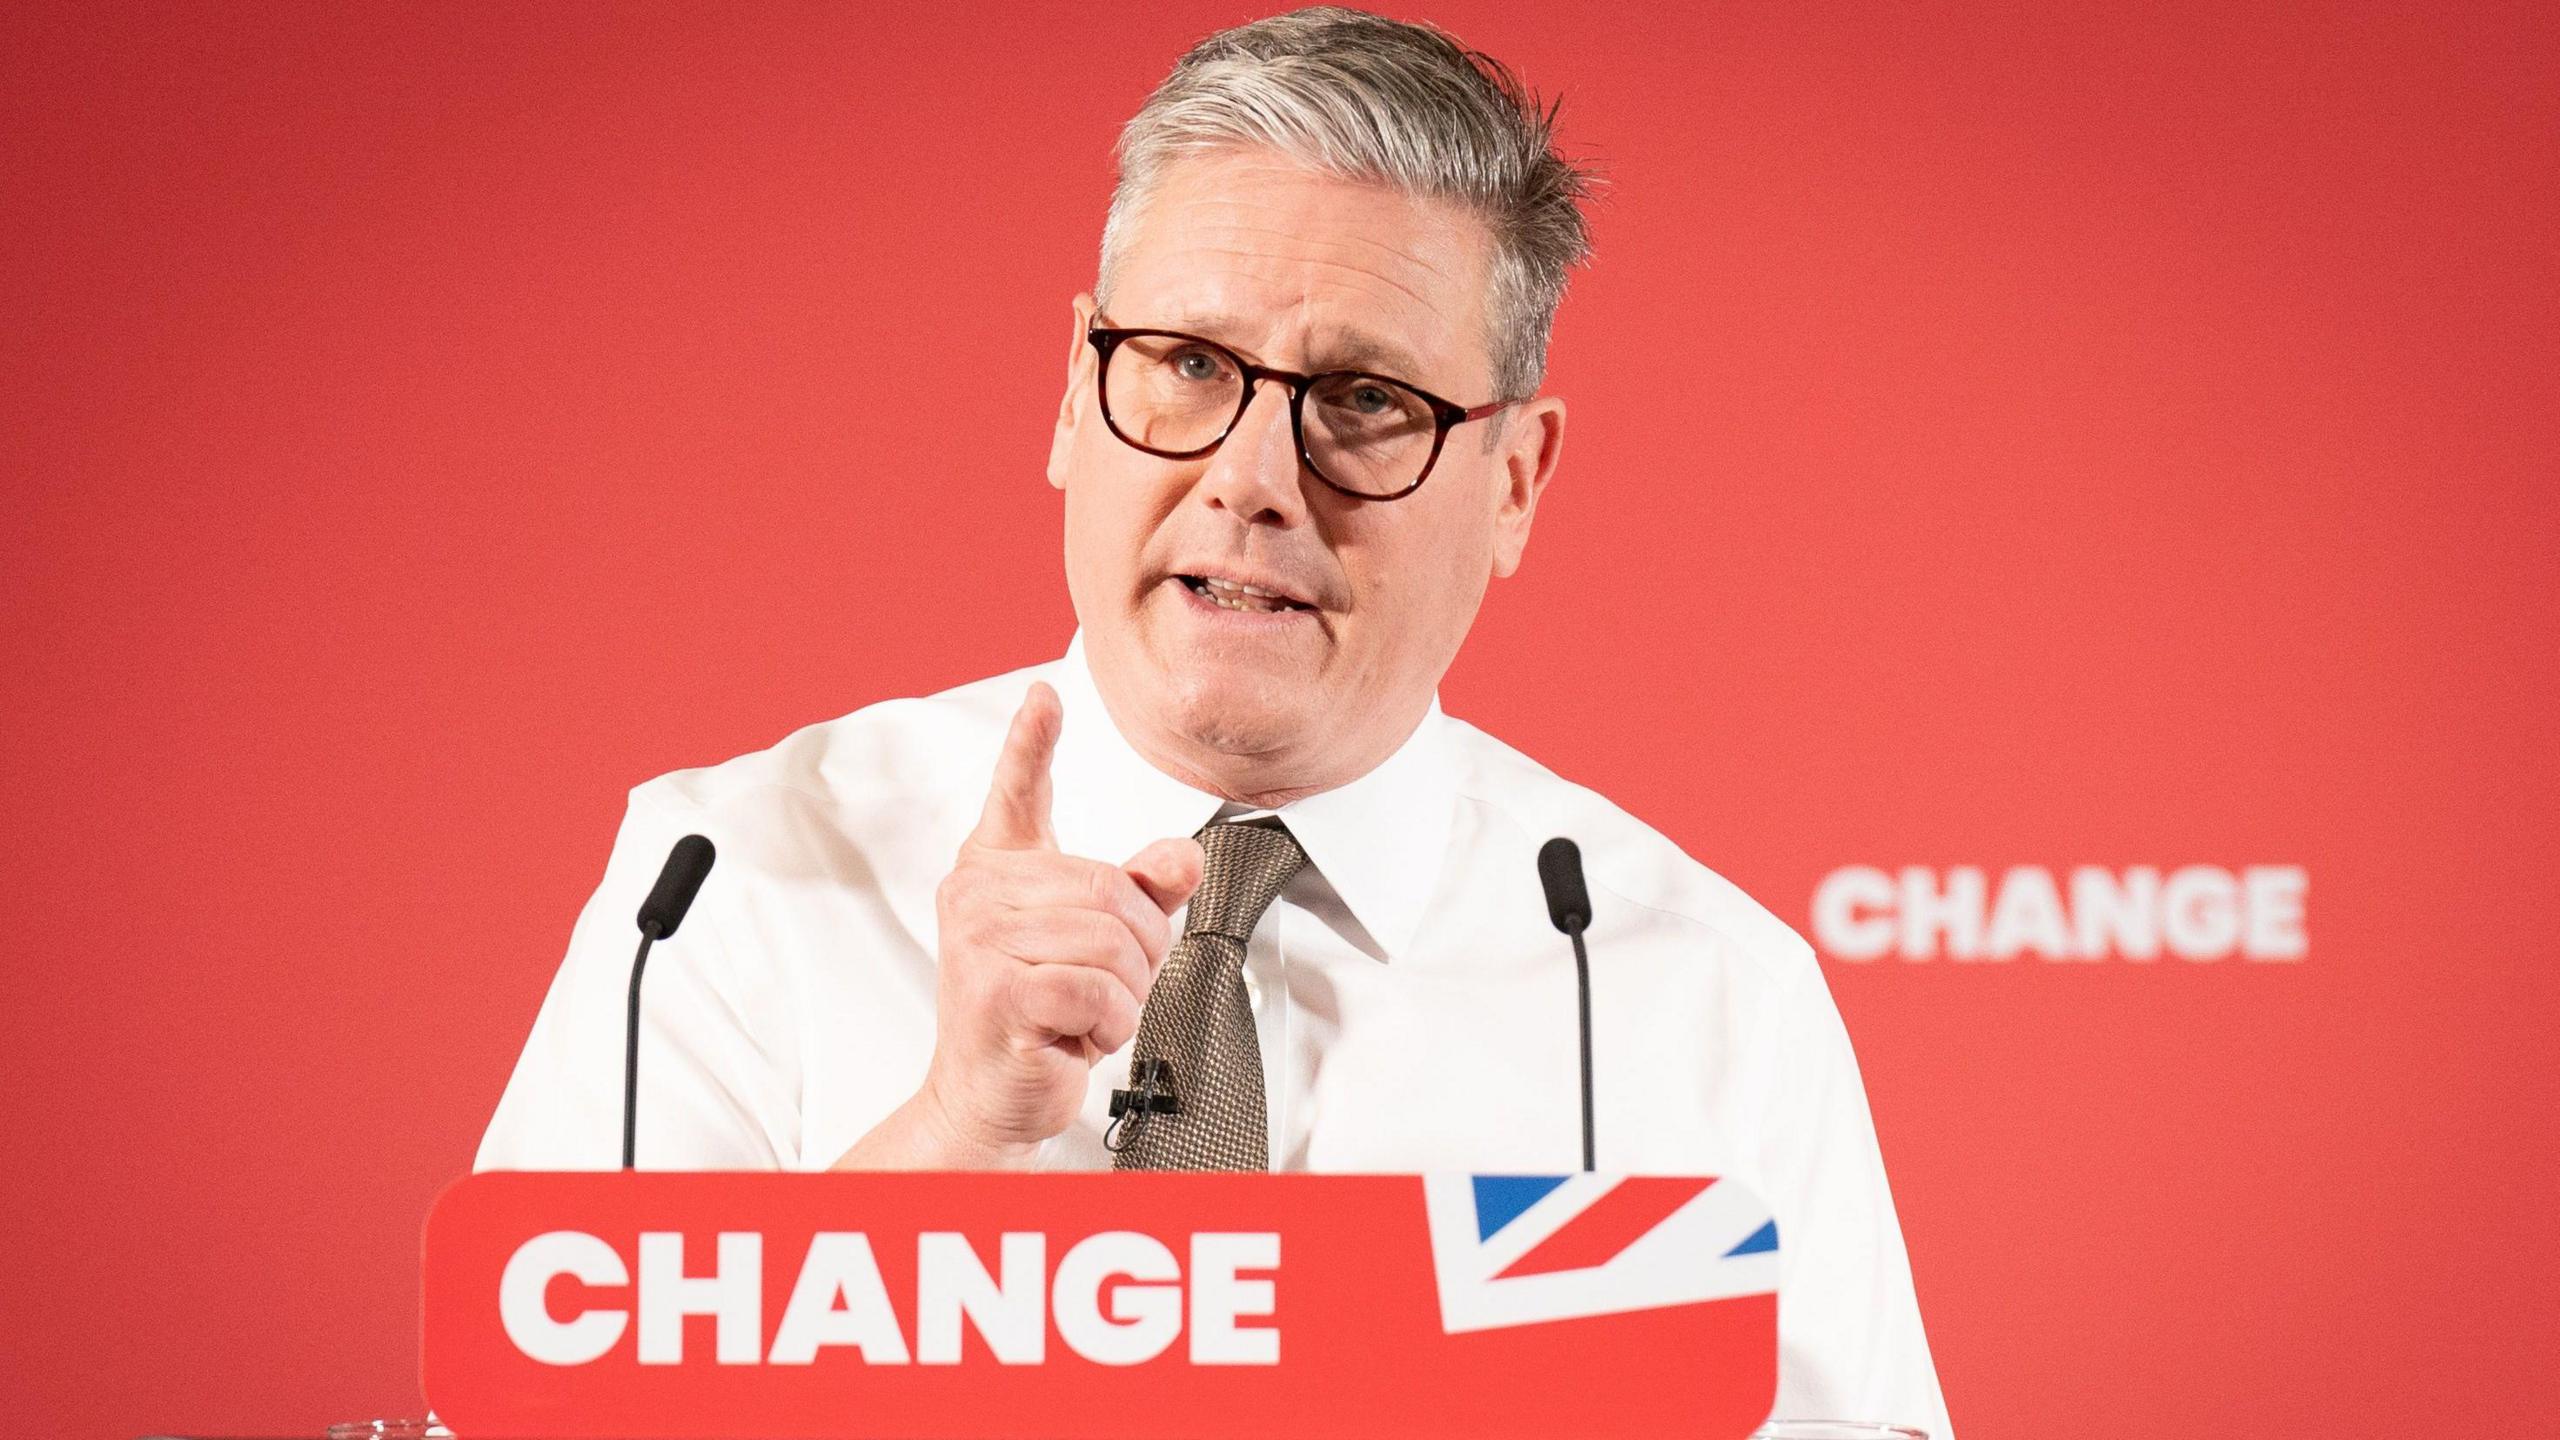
column 1310, row 266
column 1424, row 249
column 1322, row 345
column 1327, row 336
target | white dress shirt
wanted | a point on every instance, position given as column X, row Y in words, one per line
column 1415, row 1005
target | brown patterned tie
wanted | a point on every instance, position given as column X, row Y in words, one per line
column 1198, row 1020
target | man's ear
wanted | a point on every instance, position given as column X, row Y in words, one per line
column 1531, row 443
column 1080, row 360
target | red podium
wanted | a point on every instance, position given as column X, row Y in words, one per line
column 687, row 1306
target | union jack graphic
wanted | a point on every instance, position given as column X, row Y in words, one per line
column 1524, row 1249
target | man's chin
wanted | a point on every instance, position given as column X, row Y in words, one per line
column 1211, row 696
column 1243, row 714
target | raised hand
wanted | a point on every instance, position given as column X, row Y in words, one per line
column 1045, row 962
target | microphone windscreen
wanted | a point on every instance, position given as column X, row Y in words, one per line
column 686, row 866
column 1560, row 871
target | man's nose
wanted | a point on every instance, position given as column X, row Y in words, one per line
column 1254, row 473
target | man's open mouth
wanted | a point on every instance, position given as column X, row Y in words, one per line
column 1234, row 595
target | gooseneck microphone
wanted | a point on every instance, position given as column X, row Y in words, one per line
column 1569, row 906
column 678, row 882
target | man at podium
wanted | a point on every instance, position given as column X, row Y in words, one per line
column 1225, row 867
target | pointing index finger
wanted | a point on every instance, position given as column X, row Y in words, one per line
column 1017, row 811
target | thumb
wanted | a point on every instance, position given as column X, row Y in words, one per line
column 1016, row 816
column 1168, row 870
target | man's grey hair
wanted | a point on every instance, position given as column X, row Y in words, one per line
column 1366, row 98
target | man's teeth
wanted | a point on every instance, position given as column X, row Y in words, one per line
column 1236, row 596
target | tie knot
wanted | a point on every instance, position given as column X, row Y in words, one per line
column 1243, row 868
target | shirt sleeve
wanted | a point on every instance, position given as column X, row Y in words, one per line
column 1850, row 1346
column 718, row 1072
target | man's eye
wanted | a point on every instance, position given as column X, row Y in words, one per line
column 1360, row 400
column 1198, row 365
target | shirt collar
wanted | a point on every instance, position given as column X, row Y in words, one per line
column 1377, row 841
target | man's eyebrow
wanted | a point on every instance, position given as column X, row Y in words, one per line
column 1329, row 350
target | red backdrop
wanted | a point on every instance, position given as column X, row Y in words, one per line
column 2002, row 436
